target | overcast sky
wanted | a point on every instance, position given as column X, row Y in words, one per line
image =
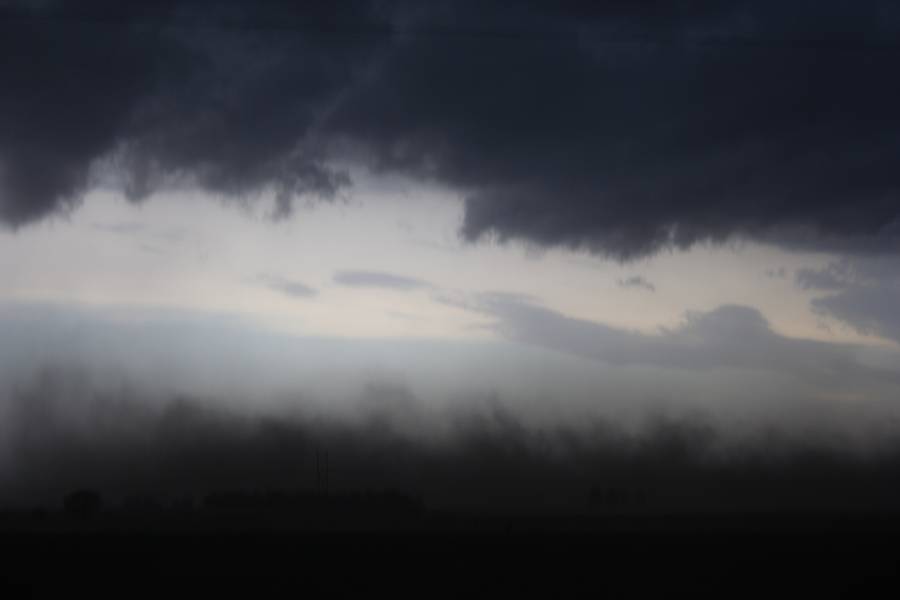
column 580, row 211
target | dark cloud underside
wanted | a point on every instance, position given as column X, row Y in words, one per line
column 618, row 127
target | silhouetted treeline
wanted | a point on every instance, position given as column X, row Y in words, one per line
column 386, row 503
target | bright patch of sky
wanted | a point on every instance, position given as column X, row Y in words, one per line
column 192, row 251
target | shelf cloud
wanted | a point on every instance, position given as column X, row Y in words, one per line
column 612, row 128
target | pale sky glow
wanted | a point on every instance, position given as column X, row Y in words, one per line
column 186, row 250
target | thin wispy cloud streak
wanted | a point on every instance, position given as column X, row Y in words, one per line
column 288, row 287
column 120, row 228
column 638, row 282
column 379, row 279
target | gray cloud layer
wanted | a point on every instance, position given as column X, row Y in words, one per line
column 864, row 293
column 729, row 336
column 618, row 127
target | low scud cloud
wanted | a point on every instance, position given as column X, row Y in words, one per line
column 62, row 434
column 615, row 128
column 741, row 419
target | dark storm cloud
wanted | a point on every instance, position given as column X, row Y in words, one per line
column 64, row 435
column 864, row 293
column 617, row 127
column 377, row 279
column 209, row 93
column 729, row 336
column 639, row 128
column 289, row 287
column 637, row 281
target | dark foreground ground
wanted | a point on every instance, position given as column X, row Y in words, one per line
column 244, row 553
